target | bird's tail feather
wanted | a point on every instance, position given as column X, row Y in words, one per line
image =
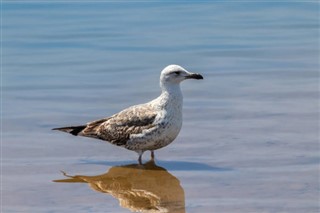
column 74, row 130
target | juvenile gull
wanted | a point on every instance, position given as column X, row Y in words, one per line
column 147, row 126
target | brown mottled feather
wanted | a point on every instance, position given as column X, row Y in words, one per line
column 118, row 128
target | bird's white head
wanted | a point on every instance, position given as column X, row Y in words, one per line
column 174, row 74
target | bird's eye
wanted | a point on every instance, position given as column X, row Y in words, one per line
column 177, row 73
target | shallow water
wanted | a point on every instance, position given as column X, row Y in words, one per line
column 249, row 142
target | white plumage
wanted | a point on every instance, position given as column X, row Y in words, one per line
column 148, row 126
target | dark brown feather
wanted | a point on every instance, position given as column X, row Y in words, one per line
column 74, row 130
column 118, row 128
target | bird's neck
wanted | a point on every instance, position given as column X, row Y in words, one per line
column 171, row 94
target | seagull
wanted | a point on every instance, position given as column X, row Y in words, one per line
column 149, row 126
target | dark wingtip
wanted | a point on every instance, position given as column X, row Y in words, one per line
column 77, row 130
column 74, row 130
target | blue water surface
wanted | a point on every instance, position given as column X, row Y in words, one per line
column 250, row 137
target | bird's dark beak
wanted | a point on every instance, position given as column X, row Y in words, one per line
column 195, row 76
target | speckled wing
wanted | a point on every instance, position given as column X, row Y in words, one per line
column 118, row 128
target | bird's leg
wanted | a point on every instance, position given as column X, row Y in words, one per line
column 140, row 160
column 140, row 157
column 152, row 155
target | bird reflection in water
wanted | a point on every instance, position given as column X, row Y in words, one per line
column 139, row 188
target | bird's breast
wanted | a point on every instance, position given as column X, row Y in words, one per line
column 170, row 123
